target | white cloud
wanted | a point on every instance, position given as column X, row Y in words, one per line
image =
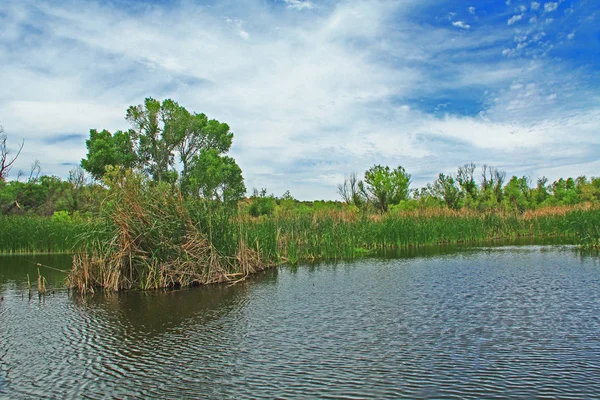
column 309, row 96
column 514, row 19
column 299, row 4
column 461, row 24
column 549, row 7
column 571, row 35
column 535, row 5
column 472, row 10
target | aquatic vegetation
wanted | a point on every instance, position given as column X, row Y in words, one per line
column 34, row 234
column 146, row 239
column 335, row 235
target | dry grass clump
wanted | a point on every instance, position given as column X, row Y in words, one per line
column 148, row 241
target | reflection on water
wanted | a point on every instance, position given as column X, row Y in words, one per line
column 14, row 270
column 491, row 322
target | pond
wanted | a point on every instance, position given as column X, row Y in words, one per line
column 482, row 323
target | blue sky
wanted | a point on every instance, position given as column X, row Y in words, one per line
column 315, row 90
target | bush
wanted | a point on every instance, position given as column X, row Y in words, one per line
column 261, row 204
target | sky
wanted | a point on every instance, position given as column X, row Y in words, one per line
column 315, row 89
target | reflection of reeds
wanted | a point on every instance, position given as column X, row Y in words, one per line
column 29, row 286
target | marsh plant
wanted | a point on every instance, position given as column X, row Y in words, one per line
column 148, row 240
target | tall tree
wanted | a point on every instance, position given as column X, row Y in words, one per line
column 446, row 189
column 386, row 187
column 350, row 191
column 155, row 132
column 215, row 177
column 106, row 149
column 466, row 180
column 161, row 134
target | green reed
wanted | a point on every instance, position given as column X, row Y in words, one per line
column 33, row 234
column 297, row 236
column 334, row 235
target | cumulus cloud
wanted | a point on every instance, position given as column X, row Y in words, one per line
column 471, row 10
column 461, row 24
column 514, row 19
column 549, row 7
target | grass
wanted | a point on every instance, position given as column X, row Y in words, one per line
column 337, row 235
column 149, row 238
column 33, row 234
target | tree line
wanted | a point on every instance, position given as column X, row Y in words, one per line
column 168, row 146
column 383, row 188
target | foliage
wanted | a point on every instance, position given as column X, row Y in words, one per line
column 261, row 203
column 352, row 191
column 460, row 191
column 50, row 194
column 163, row 134
column 106, row 149
column 446, row 189
column 214, row 177
column 386, row 187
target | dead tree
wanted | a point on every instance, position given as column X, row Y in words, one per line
column 6, row 162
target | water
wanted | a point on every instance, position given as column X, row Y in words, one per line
column 516, row 322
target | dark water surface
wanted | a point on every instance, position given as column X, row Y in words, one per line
column 510, row 322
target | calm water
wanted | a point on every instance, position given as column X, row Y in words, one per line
column 514, row 322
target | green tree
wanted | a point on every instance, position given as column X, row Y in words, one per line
column 492, row 182
column 106, row 149
column 155, row 130
column 466, row 180
column 517, row 193
column 446, row 189
column 261, row 203
column 162, row 134
column 215, row 177
column 386, row 187
column 351, row 191
column 540, row 193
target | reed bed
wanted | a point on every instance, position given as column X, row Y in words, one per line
column 147, row 240
column 337, row 235
column 33, row 234
column 148, row 237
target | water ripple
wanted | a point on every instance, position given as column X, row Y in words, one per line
column 492, row 323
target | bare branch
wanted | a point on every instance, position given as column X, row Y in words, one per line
column 35, row 171
column 7, row 162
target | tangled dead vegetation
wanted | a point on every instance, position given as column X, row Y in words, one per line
column 148, row 241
